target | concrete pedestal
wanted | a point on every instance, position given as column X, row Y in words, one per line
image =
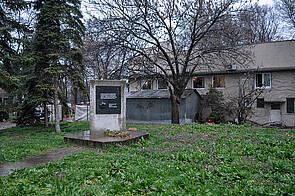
column 107, row 112
column 102, row 119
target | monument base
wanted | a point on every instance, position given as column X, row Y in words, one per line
column 86, row 139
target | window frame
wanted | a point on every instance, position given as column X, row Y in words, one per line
column 203, row 82
column 262, row 81
column 143, row 83
column 275, row 106
column 287, row 99
column 258, row 104
column 224, row 81
column 160, row 79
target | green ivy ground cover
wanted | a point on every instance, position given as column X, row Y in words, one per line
column 177, row 160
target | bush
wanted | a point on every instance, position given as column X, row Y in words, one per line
column 220, row 109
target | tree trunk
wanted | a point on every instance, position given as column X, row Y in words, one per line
column 175, row 103
column 75, row 95
column 45, row 116
column 56, row 111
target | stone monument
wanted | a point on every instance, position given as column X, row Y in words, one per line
column 107, row 117
column 107, row 106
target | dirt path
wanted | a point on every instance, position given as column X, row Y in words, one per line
column 54, row 155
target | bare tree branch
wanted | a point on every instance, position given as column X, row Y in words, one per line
column 172, row 39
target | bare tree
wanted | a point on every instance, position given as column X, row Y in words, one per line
column 258, row 23
column 104, row 59
column 248, row 94
column 286, row 8
column 172, row 39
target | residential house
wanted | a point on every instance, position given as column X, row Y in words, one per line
column 271, row 74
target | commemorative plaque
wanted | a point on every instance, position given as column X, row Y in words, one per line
column 108, row 99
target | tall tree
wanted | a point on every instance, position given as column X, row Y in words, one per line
column 58, row 41
column 258, row 23
column 172, row 38
column 103, row 57
column 286, row 8
column 9, row 56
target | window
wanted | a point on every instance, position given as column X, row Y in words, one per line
column 218, row 81
column 147, row 85
column 198, row 82
column 162, row 84
column 260, row 103
column 275, row 106
column 290, row 105
column 263, row 80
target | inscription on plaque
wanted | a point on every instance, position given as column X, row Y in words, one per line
column 108, row 96
column 113, row 105
column 108, row 100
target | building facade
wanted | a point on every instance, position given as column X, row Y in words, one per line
column 267, row 84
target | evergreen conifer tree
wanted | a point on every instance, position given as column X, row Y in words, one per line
column 8, row 55
column 57, row 54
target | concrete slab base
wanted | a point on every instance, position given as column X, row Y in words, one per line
column 86, row 139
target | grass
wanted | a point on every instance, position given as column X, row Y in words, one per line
column 22, row 142
column 177, row 160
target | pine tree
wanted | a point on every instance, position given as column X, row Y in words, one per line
column 57, row 54
column 9, row 57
